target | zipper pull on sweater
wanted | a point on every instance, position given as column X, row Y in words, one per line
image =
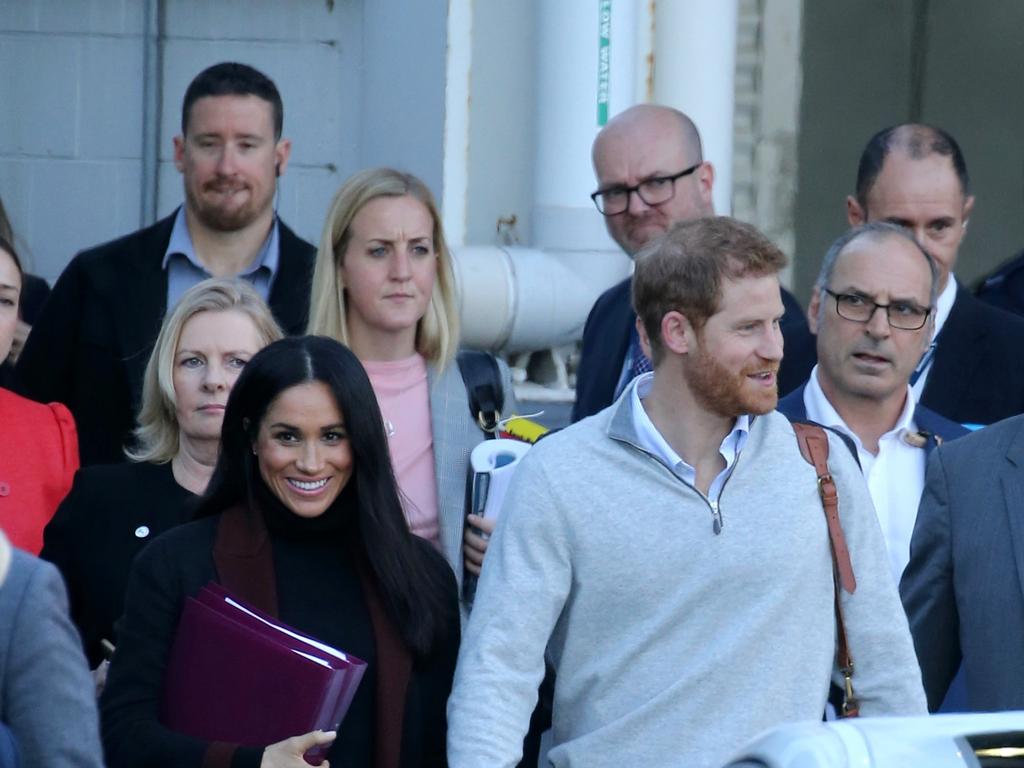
column 716, row 517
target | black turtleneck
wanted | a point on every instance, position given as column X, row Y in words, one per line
column 318, row 592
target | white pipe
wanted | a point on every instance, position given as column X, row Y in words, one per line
column 455, row 170
column 695, row 64
column 626, row 50
column 519, row 299
column 569, row 80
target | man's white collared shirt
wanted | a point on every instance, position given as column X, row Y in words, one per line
column 651, row 441
column 895, row 476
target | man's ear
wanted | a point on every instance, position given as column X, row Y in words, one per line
column 706, row 184
column 179, row 153
column 814, row 310
column 855, row 214
column 282, row 152
column 677, row 334
column 968, row 207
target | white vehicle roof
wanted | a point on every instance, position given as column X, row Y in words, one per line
column 935, row 741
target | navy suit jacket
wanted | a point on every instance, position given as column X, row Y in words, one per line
column 963, row 589
column 977, row 374
column 936, row 425
column 89, row 347
column 606, row 340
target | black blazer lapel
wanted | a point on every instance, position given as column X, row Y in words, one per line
column 957, row 354
column 1012, row 481
column 618, row 328
column 289, row 298
column 143, row 306
column 141, row 292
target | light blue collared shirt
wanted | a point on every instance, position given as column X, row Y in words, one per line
column 651, row 441
column 185, row 270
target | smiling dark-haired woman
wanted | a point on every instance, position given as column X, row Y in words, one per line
column 301, row 519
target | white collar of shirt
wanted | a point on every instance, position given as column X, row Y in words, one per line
column 943, row 306
column 819, row 409
column 651, row 440
column 895, row 477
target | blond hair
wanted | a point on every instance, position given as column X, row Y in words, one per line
column 437, row 333
column 156, row 432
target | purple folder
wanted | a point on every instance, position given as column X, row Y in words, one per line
column 240, row 676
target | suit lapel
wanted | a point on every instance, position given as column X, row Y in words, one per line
column 1012, row 478
column 142, row 308
column 623, row 324
column 451, row 484
column 142, row 301
column 955, row 357
column 289, row 298
column 617, row 330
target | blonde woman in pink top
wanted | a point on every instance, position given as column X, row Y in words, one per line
column 384, row 286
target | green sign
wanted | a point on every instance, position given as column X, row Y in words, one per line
column 604, row 56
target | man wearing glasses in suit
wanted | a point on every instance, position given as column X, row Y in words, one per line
column 651, row 174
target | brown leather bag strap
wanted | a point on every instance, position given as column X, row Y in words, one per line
column 814, row 448
column 813, row 444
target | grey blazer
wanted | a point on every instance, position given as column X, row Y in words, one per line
column 47, row 696
column 455, row 434
column 964, row 586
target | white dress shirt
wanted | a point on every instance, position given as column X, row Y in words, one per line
column 895, row 476
column 652, row 441
column 943, row 306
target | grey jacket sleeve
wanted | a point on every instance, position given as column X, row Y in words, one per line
column 522, row 590
column 48, row 697
column 927, row 586
column 886, row 677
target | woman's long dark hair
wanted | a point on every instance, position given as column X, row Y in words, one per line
column 411, row 591
column 8, row 246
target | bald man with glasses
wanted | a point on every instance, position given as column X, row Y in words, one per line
column 651, row 174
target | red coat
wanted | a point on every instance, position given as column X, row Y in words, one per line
column 38, row 459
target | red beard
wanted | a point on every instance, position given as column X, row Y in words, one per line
column 730, row 394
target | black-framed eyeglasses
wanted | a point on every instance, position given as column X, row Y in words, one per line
column 905, row 315
column 656, row 191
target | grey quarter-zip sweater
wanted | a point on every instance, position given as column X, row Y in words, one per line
column 673, row 645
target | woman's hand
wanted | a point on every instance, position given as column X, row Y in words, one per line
column 474, row 544
column 288, row 753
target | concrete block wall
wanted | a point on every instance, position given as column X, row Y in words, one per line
column 362, row 83
column 746, row 121
column 768, row 79
column 70, row 137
